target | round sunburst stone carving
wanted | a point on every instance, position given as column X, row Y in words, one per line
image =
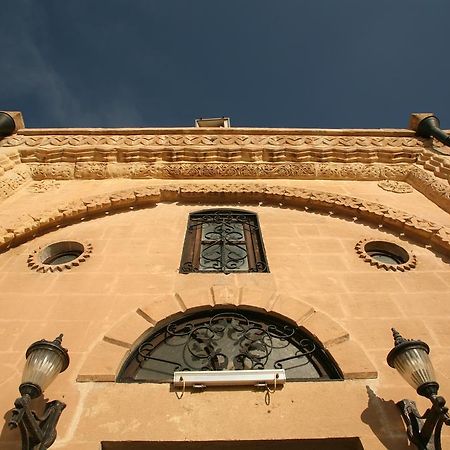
column 386, row 254
column 59, row 256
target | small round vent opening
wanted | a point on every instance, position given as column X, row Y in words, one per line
column 386, row 252
column 386, row 255
column 61, row 252
column 59, row 256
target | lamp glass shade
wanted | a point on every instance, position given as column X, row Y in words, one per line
column 415, row 367
column 42, row 367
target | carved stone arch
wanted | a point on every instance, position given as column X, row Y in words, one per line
column 105, row 360
column 26, row 227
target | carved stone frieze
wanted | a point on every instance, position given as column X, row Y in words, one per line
column 419, row 229
column 90, row 170
column 240, row 140
column 13, row 180
column 9, row 157
column 131, row 170
column 398, row 187
column 54, row 171
column 434, row 188
column 395, row 155
column 102, row 170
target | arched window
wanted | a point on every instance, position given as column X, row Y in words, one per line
column 228, row 339
column 223, row 240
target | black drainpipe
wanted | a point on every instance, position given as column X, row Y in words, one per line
column 7, row 125
column 428, row 125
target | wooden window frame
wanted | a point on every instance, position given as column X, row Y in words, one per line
column 191, row 256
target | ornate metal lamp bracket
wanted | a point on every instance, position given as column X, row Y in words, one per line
column 45, row 360
column 410, row 358
column 425, row 431
column 38, row 432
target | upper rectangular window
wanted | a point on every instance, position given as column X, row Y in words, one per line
column 223, row 240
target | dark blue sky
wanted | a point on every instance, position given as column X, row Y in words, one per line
column 286, row 63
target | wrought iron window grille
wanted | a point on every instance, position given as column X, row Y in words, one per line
column 223, row 240
column 218, row 340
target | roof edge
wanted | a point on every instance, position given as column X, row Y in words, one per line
column 400, row 132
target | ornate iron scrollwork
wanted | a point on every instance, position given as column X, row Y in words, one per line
column 228, row 340
column 225, row 241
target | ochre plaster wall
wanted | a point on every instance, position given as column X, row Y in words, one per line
column 134, row 266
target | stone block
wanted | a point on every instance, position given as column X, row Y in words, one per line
column 292, row 309
column 161, row 307
column 353, row 361
column 102, row 363
column 146, row 195
column 225, row 295
column 326, row 330
column 122, row 199
column 251, row 296
column 126, row 332
column 423, row 282
column 195, row 298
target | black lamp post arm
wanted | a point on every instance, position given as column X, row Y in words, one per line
column 425, row 431
column 38, row 432
column 437, row 412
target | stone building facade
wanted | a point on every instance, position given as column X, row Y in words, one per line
column 320, row 196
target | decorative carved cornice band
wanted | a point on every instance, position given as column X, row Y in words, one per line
column 437, row 164
column 438, row 190
column 415, row 228
column 13, row 179
column 139, row 170
column 240, row 141
column 233, row 153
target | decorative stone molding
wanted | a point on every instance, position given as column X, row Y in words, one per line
column 13, row 179
column 411, row 263
column 135, row 327
column 35, row 260
column 9, row 157
column 396, row 155
column 241, row 170
column 260, row 138
column 57, row 171
column 415, row 228
column 438, row 164
column 395, row 186
column 436, row 189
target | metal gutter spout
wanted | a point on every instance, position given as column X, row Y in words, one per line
column 427, row 125
column 7, row 124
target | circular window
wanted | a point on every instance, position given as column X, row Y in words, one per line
column 59, row 255
column 386, row 255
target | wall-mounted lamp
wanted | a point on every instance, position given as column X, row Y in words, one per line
column 410, row 358
column 44, row 361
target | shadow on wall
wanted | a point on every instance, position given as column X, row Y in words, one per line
column 385, row 421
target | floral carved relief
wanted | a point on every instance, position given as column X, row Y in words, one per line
column 39, row 187
column 395, row 186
